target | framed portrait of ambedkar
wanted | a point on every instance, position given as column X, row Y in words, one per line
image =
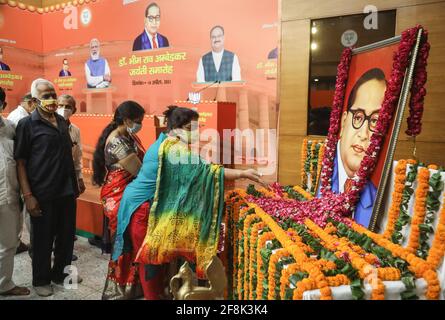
column 365, row 123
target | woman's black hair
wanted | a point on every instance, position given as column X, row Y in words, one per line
column 126, row 110
column 177, row 117
column 371, row 74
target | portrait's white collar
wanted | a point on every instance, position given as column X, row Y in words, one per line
column 342, row 175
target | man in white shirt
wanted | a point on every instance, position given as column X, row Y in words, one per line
column 97, row 69
column 24, row 109
column 10, row 218
column 219, row 64
column 27, row 105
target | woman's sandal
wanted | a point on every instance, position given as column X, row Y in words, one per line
column 16, row 291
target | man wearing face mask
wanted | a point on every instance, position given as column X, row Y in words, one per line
column 117, row 160
column 43, row 151
column 66, row 108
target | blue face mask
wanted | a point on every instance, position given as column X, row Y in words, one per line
column 135, row 129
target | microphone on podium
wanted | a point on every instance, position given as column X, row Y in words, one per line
column 217, row 90
column 195, row 97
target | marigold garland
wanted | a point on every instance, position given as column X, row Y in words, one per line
column 432, row 207
column 285, row 275
column 338, row 280
column 253, row 258
column 419, row 209
column 420, row 267
column 298, row 254
column 404, row 218
column 319, row 165
column 366, row 271
column 274, row 259
column 361, row 260
column 263, row 238
column 399, row 185
column 303, row 192
column 250, row 219
column 437, row 250
column 240, row 259
column 313, row 162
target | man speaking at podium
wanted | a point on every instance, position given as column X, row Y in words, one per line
column 218, row 64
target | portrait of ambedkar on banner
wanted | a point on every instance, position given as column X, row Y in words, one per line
column 65, row 72
column 358, row 123
column 150, row 38
column 218, row 64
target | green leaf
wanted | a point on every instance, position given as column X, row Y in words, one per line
column 409, row 282
column 425, row 228
column 404, row 218
column 289, row 294
column 409, row 295
column 357, row 293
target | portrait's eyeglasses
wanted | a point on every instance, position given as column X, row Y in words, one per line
column 359, row 117
column 47, row 96
column 152, row 19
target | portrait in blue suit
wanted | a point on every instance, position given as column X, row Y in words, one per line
column 150, row 38
column 65, row 69
column 359, row 122
column 3, row 66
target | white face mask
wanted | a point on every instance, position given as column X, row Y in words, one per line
column 64, row 112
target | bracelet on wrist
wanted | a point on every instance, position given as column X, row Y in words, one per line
column 28, row 194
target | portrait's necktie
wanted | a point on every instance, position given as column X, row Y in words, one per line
column 155, row 45
column 348, row 185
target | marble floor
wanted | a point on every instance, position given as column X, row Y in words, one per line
column 91, row 266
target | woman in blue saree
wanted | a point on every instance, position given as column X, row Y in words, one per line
column 173, row 209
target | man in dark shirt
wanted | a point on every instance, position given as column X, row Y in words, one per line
column 49, row 185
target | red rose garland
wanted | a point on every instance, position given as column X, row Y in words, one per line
column 418, row 90
column 334, row 128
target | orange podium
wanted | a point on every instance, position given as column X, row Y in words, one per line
column 215, row 115
column 228, row 91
